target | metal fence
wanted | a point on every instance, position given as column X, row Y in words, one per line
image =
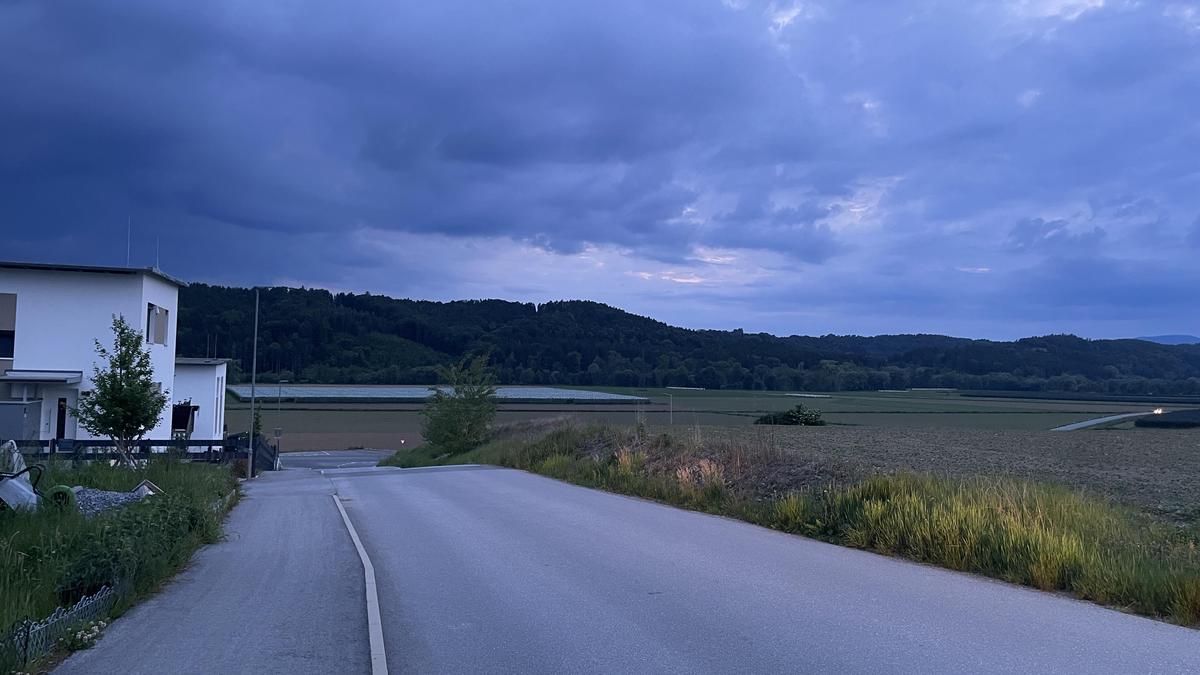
column 194, row 450
column 31, row 640
column 264, row 457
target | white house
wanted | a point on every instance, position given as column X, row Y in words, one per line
column 50, row 318
column 202, row 382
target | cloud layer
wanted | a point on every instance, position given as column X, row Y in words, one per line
column 979, row 168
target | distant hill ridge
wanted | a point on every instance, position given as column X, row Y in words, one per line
column 1172, row 339
column 313, row 335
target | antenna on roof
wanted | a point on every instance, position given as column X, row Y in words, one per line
column 128, row 237
column 157, row 240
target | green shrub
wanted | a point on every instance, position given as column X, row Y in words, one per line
column 140, row 543
column 798, row 416
column 555, row 466
column 457, row 418
column 52, row 557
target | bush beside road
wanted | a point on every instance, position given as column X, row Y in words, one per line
column 50, row 558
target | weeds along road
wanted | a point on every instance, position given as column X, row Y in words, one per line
column 490, row 570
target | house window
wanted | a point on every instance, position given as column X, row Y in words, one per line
column 7, row 343
column 156, row 324
column 8, row 324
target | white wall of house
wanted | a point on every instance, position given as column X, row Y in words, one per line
column 204, row 386
column 60, row 314
column 166, row 296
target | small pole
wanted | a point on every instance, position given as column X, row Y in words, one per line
column 671, row 402
column 25, row 643
column 279, row 417
column 253, row 393
column 279, row 398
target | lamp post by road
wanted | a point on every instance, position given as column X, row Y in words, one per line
column 253, row 392
column 279, row 417
column 279, row 397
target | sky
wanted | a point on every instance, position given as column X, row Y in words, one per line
column 984, row 168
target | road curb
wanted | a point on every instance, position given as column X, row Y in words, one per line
column 374, row 622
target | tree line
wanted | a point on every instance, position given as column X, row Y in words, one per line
column 313, row 335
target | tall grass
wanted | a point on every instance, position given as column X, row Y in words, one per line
column 50, row 557
column 1038, row 535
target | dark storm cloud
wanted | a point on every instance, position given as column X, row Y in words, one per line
column 713, row 152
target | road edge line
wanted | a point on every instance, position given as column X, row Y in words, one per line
column 374, row 622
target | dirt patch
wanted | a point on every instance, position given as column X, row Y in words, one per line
column 1156, row 470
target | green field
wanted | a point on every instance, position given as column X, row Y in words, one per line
column 928, row 431
column 309, row 426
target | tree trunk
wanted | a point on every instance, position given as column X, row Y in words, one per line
column 122, row 447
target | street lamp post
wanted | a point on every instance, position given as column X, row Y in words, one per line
column 279, row 417
column 253, row 393
column 279, row 398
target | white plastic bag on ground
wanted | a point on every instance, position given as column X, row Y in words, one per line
column 11, row 460
column 16, row 493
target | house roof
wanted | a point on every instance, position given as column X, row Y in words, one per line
column 94, row 269
column 195, row 361
column 42, row 376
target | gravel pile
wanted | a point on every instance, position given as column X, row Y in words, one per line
column 92, row 502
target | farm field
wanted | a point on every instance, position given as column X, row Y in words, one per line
column 1154, row 470
column 329, row 426
column 1157, row 470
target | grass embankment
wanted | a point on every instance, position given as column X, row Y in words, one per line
column 1034, row 534
column 50, row 558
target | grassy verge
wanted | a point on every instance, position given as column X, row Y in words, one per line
column 50, row 558
column 1034, row 534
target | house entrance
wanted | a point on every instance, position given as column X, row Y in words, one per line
column 60, row 431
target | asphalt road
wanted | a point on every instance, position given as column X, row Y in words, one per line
column 490, row 570
column 1086, row 424
column 332, row 459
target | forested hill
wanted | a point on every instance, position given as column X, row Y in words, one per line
column 317, row 336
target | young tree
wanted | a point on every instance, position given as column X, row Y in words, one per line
column 457, row 418
column 125, row 401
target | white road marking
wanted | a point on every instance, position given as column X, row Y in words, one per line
column 374, row 623
column 1100, row 420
